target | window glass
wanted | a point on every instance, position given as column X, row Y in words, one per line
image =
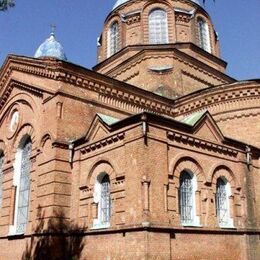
column 105, row 201
column 158, row 27
column 222, row 202
column 24, row 188
column 203, row 33
column 113, row 39
column 186, row 198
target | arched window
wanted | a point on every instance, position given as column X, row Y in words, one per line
column 1, row 177
column 103, row 198
column 203, row 34
column 22, row 169
column 222, row 203
column 188, row 187
column 158, row 27
column 113, row 39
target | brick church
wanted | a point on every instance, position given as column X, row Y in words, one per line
column 152, row 154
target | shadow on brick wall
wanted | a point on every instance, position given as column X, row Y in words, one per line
column 55, row 239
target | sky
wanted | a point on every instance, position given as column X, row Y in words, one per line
column 79, row 23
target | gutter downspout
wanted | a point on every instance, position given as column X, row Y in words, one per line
column 144, row 128
column 248, row 157
column 71, row 151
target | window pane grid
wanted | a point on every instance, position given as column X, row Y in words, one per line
column 204, row 41
column 105, row 202
column 114, row 38
column 186, row 198
column 24, row 189
column 158, row 27
column 222, row 202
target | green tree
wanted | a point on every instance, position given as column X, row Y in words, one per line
column 5, row 4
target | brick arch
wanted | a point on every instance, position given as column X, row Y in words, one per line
column 25, row 130
column 206, row 19
column 45, row 147
column 114, row 18
column 147, row 8
column 2, row 146
column 224, row 171
column 99, row 167
column 45, row 137
column 150, row 5
column 22, row 98
column 189, row 164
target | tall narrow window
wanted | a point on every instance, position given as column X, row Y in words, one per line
column 22, row 168
column 158, row 27
column 186, row 198
column 203, row 34
column 103, row 199
column 113, row 39
column 187, row 201
column 105, row 208
column 1, row 177
column 222, row 203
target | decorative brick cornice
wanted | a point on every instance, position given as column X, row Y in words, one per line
column 199, row 143
column 102, row 143
column 199, row 79
column 118, row 183
column 132, row 18
column 182, row 18
column 43, row 70
column 136, row 104
column 83, row 78
column 86, row 192
column 173, row 54
column 61, row 145
column 15, row 84
column 132, row 76
column 214, row 98
column 236, row 116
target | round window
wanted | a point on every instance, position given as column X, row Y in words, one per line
column 14, row 121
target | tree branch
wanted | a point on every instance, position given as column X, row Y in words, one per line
column 6, row 4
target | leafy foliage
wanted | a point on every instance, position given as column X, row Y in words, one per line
column 5, row 4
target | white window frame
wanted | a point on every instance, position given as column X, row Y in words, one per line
column 1, row 177
column 158, row 26
column 16, row 182
column 195, row 221
column 98, row 222
column 203, row 34
column 227, row 222
column 113, row 39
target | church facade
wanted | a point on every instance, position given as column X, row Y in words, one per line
column 153, row 154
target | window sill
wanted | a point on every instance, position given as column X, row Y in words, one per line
column 15, row 236
column 100, row 226
column 12, row 232
column 227, row 227
column 191, row 225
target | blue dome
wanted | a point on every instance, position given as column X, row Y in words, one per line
column 196, row 2
column 120, row 2
column 51, row 48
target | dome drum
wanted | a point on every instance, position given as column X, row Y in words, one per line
column 134, row 29
column 144, row 32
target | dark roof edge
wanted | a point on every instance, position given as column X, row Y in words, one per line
column 150, row 117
